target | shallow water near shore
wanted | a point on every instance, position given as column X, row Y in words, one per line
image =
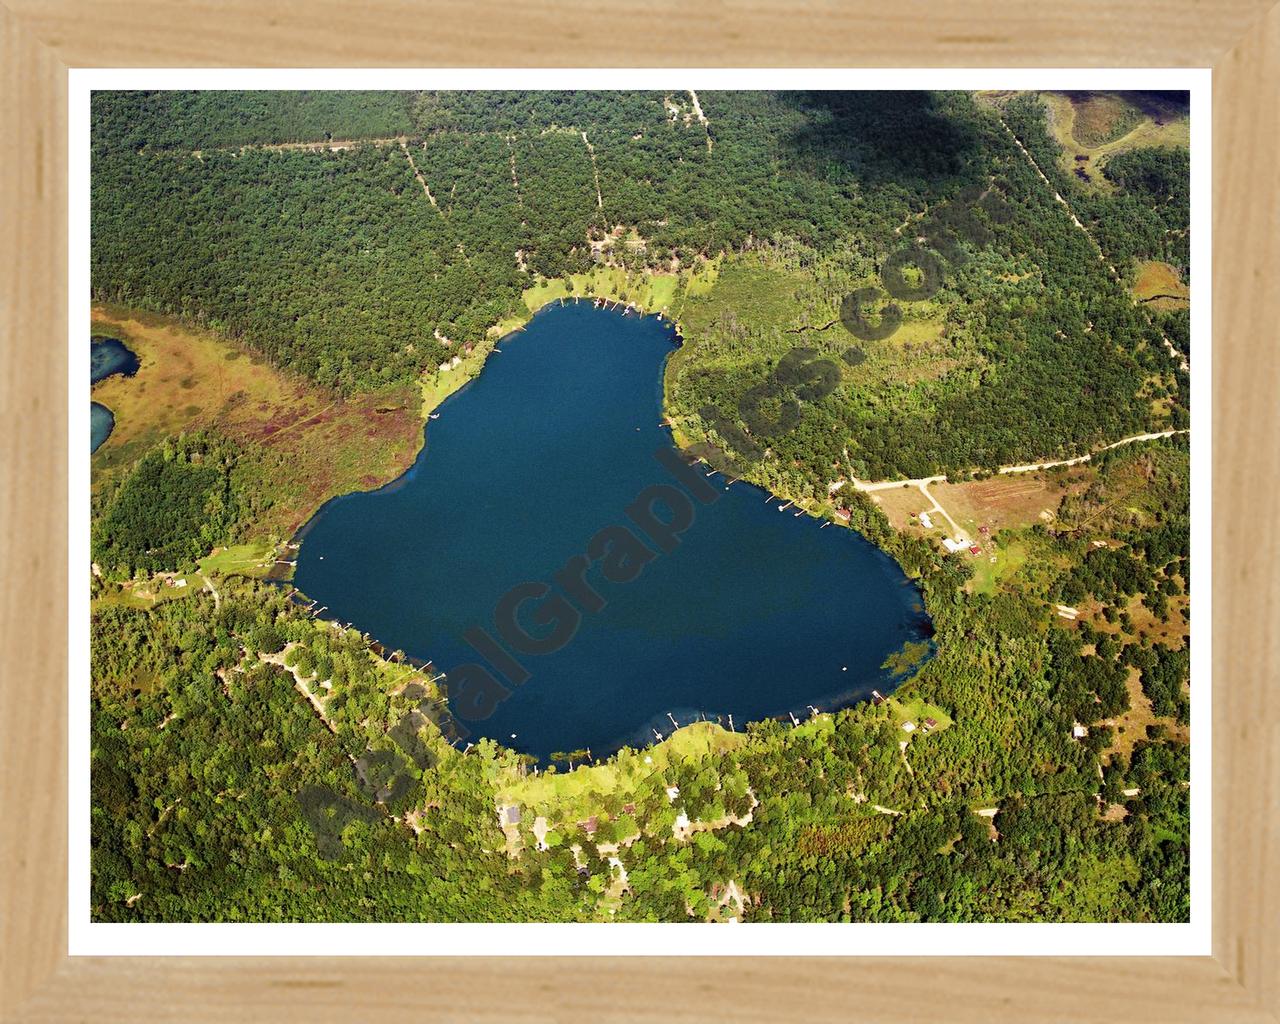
column 755, row 612
column 107, row 356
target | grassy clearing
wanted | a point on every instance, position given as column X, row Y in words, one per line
column 900, row 504
column 917, row 709
column 1010, row 501
column 147, row 593
column 1086, row 124
column 1144, row 626
column 1102, row 117
column 581, row 792
column 254, row 559
column 997, row 562
column 1159, row 286
column 313, row 444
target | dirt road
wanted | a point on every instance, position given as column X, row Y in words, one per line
column 882, row 485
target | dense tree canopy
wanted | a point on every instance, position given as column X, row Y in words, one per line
column 252, row 763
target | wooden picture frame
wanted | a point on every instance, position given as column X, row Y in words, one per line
column 41, row 39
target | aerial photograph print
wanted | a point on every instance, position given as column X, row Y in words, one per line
column 688, row 506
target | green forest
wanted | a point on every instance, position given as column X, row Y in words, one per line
column 202, row 744
column 1054, row 782
column 339, row 265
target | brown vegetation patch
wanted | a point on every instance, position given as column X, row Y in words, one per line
column 1130, row 728
column 1011, row 500
column 313, row 443
column 1159, row 286
column 899, row 504
column 1102, row 117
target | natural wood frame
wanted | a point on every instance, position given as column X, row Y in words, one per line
column 40, row 39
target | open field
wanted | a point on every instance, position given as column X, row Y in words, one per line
column 1102, row 117
column 254, row 559
column 1000, row 559
column 982, row 509
column 315, row 444
column 1010, row 501
column 1158, row 287
column 1097, row 126
column 149, row 592
column 1001, row 502
column 903, row 505
column 916, row 709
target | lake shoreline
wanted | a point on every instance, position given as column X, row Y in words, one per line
column 832, row 702
column 108, row 357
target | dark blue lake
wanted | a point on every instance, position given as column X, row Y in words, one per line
column 755, row 612
column 107, row 356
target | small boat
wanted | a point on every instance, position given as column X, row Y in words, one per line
column 435, row 415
